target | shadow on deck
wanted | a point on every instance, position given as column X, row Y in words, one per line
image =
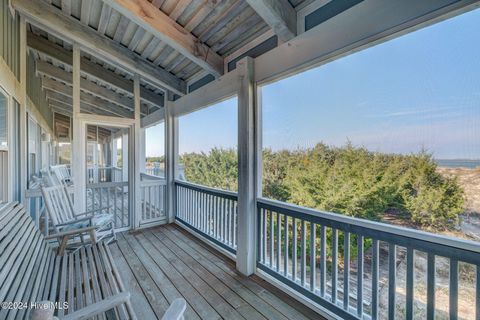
column 160, row 264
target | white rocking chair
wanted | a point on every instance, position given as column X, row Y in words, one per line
column 63, row 217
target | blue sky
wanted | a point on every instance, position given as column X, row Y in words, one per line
column 419, row 90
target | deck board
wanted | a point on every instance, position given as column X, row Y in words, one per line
column 163, row 263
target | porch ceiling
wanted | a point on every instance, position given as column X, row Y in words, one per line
column 201, row 35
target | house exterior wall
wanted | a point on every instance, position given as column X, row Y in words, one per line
column 10, row 38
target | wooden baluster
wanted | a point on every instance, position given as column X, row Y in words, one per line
column 323, row 260
column 334, row 265
column 313, row 267
column 279, row 241
column 346, row 270
column 224, row 221
column 285, row 245
column 375, row 277
column 272, row 232
column 409, row 283
column 303, row 257
column 294, row 250
column 453, row 289
column 227, row 216
column 359, row 276
column 264, row 236
column 392, row 283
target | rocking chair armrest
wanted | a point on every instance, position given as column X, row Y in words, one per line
column 64, row 236
column 69, row 233
column 98, row 307
column 74, row 221
column 91, row 211
column 176, row 310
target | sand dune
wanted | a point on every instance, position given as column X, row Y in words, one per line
column 469, row 179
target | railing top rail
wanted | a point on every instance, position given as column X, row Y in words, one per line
column 373, row 228
column 147, row 183
column 107, row 184
column 213, row 191
column 92, row 166
column 150, row 176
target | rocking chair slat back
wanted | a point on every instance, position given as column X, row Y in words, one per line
column 61, row 172
column 58, row 203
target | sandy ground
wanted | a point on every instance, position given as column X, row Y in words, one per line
column 469, row 228
column 469, row 179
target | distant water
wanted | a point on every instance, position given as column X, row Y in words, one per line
column 457, row 163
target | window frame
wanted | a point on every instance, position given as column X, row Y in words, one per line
column 8, row 98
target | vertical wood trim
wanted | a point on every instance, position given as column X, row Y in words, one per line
column 246, row 169
column 78, row 162
column 142, row 150
column 171, row 158
column 134, row 165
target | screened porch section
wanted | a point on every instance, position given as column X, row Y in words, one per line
column 138, row 173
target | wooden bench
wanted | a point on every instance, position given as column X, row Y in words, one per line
column 31, row 272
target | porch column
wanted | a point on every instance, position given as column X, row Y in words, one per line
column 246, row 168
column 142, row 149
column 113, row 154
column 78, row 145
column 171, row 157
column 135, row 165
column 125, row 151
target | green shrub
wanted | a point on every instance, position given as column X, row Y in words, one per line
column 349, row 180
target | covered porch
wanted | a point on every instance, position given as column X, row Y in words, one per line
column 101, row 72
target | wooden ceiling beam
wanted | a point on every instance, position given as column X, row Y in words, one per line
column 90, row 68
column 46, row 69
column 149, row 17
column 86, row 98
column 279, row 15
column 70, row 29
column 62, row 111
column 63, row 103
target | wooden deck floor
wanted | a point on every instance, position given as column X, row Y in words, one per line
column 161, row 264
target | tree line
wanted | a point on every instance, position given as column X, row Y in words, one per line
column 348, row 179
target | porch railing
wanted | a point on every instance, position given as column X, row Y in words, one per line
column 349, row 265
column 96, row 174
column 153, row 195
column 111, row 195
column 210, row 212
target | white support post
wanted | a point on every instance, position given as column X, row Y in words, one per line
column 79, row 137
column 142, row 149
column 246, row 168
column 171, row 158
column 125, row 154
column 23, row 108
column 113, row 160
column 135, row 147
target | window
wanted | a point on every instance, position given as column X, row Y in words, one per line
column 16, row 150
column 64, row 152
column 155, row 150
column 208, row 146
column 33, row 137
column 3, row 120
column 3, row 147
